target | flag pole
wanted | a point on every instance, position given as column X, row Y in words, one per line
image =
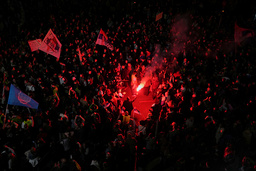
column 3, row 93
column 5, row 115
column 29, row 110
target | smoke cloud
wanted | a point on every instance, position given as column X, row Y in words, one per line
column 178, row 32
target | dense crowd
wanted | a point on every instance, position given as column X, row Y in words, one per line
column 202, row 83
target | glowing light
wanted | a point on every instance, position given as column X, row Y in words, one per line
column 140, row 86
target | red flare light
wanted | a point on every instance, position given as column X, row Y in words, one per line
column 140, row 87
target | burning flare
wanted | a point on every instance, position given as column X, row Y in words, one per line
column 140, row 86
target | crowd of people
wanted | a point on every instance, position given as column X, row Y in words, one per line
column 201, row 81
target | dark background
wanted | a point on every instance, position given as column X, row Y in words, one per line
column 30, row 13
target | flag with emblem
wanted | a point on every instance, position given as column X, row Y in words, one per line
column 241, row 34
column 18, row 98
column 103, row 40
column 34, row 44
column 51, row 45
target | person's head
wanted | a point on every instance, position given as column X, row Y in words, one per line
column 33, row 149
column 119, row 122
column 120, row 137
column 63, row 160
column 108, row 155
column 130, row 127
column 129, row 135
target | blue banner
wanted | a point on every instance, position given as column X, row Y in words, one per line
column 18, row 98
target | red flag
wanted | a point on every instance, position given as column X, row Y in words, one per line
column 34, row 44
column 159, row 16
column 103, row 40
column 241, row 34
column 51, row 44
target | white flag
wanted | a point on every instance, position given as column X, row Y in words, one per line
column 51, row 45
column 34, row 44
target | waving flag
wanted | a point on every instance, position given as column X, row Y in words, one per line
column 34, row 44
column 159, row 16
column 18, row 98
column 241, row 34
column 51, row 45
column 103, row 40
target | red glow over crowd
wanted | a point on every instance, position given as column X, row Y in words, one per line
column 195, row 61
